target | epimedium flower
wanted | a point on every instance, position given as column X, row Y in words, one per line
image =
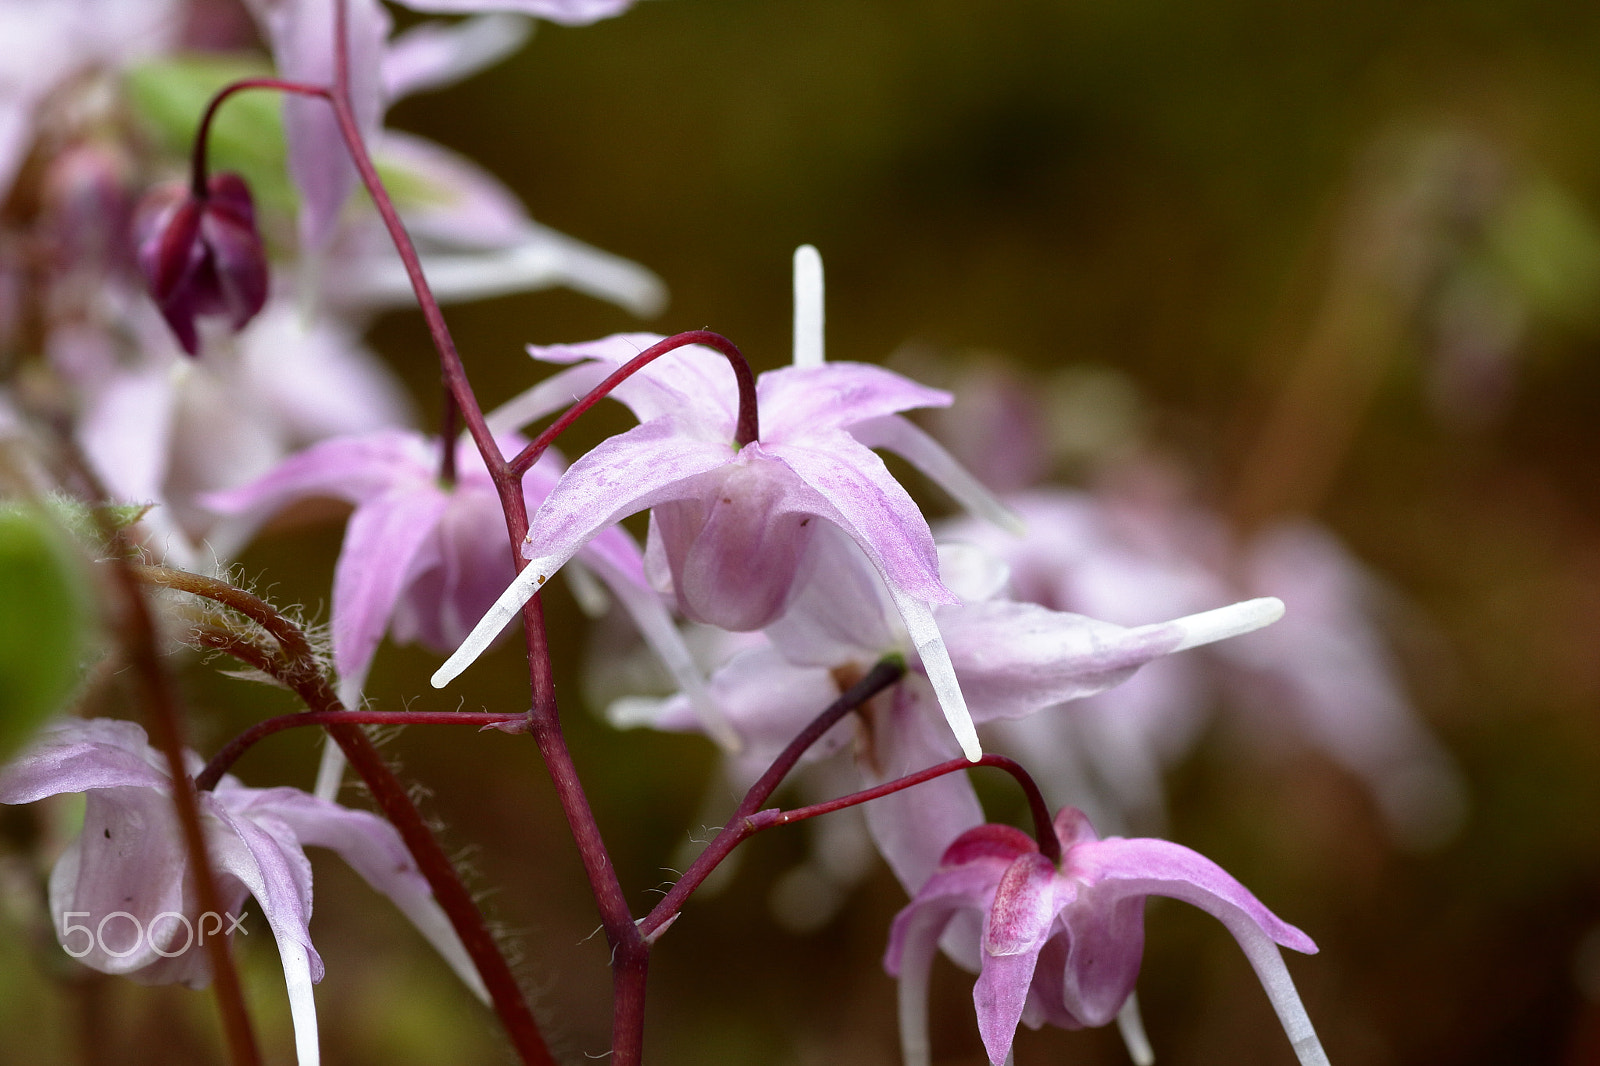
column 300, row 33
column 1138, row 552
column 422, row 559
column 128, row 868
column 1060, row 942
column 201, row 254
column 731, row 521
column 1013, row 660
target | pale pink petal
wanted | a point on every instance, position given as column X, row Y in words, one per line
column 798, row 401
column 1017, row 658
column 79, row 755
column 852, row 488
column 693, row 383
column 129, row 860
column 355, row 469
column 263, row 854
column 435, row 54
column 302, row 39
column 373, row 848
column 998, row 996
column 375, row 564
column 913, row 827
column 621, row 476
column 767, row 701
column 566, row 12
column 899, row 435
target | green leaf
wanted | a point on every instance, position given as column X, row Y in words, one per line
column 45, row 621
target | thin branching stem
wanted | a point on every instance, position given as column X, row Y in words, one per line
column 887, row 672
column 230, row 752
column 746, row 429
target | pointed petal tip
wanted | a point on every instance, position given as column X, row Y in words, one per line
column 1234, row 620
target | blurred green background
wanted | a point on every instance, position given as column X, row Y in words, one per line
column 1280, row 223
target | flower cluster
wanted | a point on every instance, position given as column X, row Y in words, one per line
column 844, row 631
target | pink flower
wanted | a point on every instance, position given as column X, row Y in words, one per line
column 1061, row 942
column 731, row 526
column 129, row 865
column 421, row 559
column 1013, row 661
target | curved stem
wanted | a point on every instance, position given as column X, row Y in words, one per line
column 198, row 176
column 746, row 429
column 229, row 754
column 1044, row 828
column 887, row 672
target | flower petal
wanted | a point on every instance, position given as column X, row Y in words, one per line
column 999, row 995
column 435, row 54
column 1119, row 873
column 80, row 755
column 624, row 474
column 355, row 469
column 263, row 854
column 808, row 307
column 566, row 12
column 1017, row 658
column 301, row 35
column 373, row 848
column 853, row 489
column 797, row 401
column 375, row 564
column 692, row 383
column 898, row 434
column 913, row 827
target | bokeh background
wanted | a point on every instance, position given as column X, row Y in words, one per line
column 1339, row 259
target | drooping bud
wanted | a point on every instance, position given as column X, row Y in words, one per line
column 202, row 255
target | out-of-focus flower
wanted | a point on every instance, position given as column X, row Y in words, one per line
column 1133, row 557
column 302, row 39
column 168, row 429
column 1012, row 660
column 421, row 558
column 1061, row 944
column 49, row 42
column 202, row 255
column 130, row 864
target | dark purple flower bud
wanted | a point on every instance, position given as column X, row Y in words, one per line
column 202, row 255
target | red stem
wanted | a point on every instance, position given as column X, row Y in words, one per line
column 391, row 797
column 198, row 179
column 229, row 754
column 626, row 944
column 747, row 428
column 1044, row 828
column 887, row 672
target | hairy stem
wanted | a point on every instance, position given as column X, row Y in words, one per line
column 390, row 796
column 230, row 752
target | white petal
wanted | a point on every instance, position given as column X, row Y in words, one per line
column 507, row 607
column 1131, row 1025
column 808, row 306
column 1224, row 622
column 302, row 1002
column 924, row 634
